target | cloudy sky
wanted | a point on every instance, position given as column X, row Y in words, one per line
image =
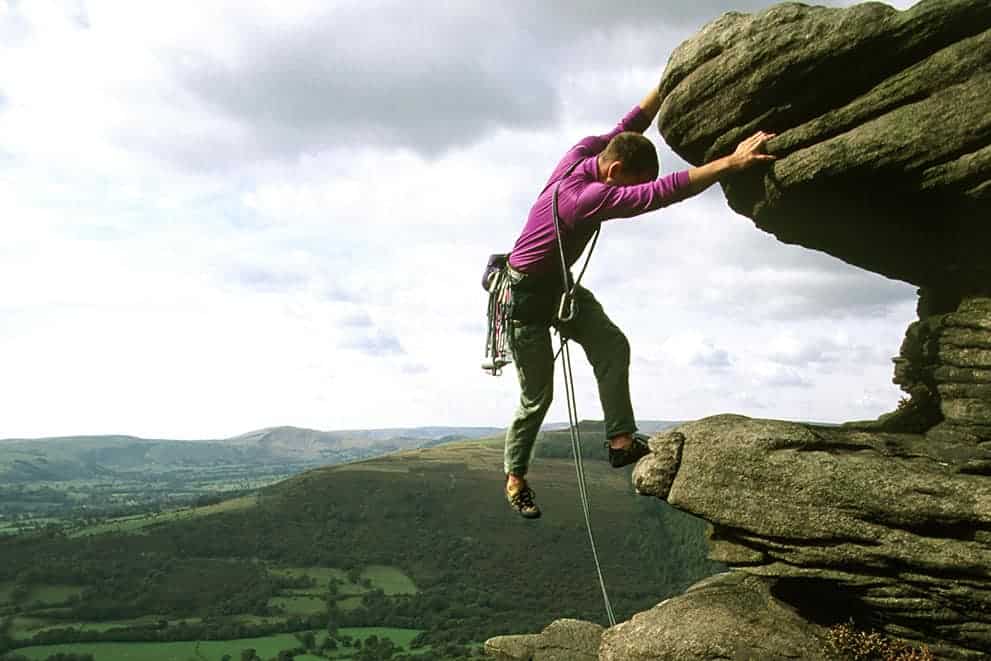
column 222, row 216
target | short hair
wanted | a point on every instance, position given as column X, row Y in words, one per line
column 635, row 152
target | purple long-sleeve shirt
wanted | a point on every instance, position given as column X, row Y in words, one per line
column 583, row 202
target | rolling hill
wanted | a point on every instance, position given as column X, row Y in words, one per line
column 66, row 458
column 436, row 515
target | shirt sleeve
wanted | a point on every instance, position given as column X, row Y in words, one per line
column 599, row 201
column 634, row 120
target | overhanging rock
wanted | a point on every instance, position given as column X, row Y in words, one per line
column 884, row 130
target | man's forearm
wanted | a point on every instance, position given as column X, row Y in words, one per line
column 747, row 153
column 704, row 176
column 651, row 104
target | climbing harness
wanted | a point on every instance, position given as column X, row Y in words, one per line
column 566, row 312
column 498, row 281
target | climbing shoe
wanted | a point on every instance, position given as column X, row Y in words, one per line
column 631, row 454
column 521, row 500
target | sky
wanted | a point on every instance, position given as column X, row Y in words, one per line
column 222, row 216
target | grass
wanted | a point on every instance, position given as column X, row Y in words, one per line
column 401, row 637
column 349, row 603
column 137, row 523
column 307, row 601
column 23, row 628
column 859, row 645
column 32, row 523
column 266, row 647
column 53, row 595
column 296, row 601
column 464, row 454
column 391, row 580
column 303, row 605
column 322, row 575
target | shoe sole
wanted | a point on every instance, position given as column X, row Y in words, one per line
column 534, row 515
column 630, row 457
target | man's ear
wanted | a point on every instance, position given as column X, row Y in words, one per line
column 614, row 169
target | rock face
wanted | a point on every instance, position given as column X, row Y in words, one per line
column 561, row 640
column 730, row 616
column 945, row 367
column 894, row 529
column 884, row 160
column 884, row 130
column 962, row 373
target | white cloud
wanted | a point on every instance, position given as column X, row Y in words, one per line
column 192, row 247
column 690, row 350
column 778, row 376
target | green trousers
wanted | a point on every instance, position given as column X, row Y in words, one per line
column 606, row 348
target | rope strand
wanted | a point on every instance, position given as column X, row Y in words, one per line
column 576, row 449
column 567, row 299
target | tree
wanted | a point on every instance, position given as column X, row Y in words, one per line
column 308, row 640
column 19, row 593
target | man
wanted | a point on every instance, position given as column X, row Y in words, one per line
column 602, row 177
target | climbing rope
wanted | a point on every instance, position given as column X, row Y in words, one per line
column 576, row 449
column 566, row 312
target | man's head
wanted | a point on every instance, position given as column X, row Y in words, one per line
column 628, row 159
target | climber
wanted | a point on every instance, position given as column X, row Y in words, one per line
column 602, row 177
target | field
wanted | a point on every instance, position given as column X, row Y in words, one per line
column 125, row 500
column 23, row 628
column 389, row 579
column 137, row 522
column 312, row 600
column 212, row 650
column 44, row 600
column 322, row 577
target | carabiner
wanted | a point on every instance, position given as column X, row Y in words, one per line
column 567, row 302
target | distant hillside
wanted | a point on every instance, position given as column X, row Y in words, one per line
column 67, row 458
column 645, row 426
column 309, row 443
column 438, row 515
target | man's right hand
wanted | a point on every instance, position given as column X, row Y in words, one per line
column 751, row 151
column 747, row 153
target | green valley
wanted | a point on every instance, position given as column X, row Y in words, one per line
column 420, row 544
